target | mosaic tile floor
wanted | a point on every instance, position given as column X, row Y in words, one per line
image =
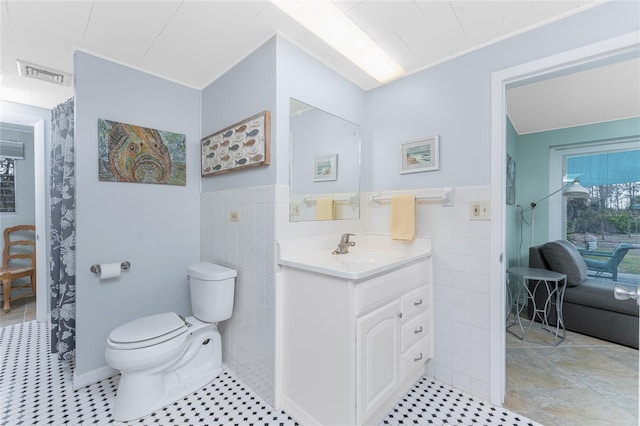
column 35, row 388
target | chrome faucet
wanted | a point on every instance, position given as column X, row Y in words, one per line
column 344, row 244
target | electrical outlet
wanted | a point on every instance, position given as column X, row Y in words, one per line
column 295, row 210
column 234, row 216
column 479, row 210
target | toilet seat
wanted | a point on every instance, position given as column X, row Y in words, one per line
column 147, row 331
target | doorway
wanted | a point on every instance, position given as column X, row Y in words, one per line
column 500, row 80
column 37, row 122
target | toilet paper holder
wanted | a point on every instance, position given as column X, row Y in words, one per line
column 96, row 268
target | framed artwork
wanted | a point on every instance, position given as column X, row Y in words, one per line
column 325, row 168
column 420, row 155
column 240, row 146
column 511, row 180
column 128, row 153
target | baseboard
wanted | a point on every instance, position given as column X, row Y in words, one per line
column 93, row 376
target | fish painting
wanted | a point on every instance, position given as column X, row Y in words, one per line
column 130, row 153
column 239, row 146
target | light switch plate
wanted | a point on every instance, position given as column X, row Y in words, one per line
column 234, row 216
column 479, row 210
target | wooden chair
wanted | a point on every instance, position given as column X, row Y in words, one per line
column 18, row 246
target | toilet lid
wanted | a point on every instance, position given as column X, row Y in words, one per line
column 152, row 327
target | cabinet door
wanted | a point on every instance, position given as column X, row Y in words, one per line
column 377, row 358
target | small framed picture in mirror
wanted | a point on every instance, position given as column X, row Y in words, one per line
column 325, row 168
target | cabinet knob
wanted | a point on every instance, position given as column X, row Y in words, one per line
column 418, row 331
column 400, row 315
column 418, row 358
column 418, row 302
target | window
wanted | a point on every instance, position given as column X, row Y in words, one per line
column 7, row 185
column 613, row 181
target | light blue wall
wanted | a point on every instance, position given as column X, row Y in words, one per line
column 245, row 90
column 155, row 227
column 453, row 100
column 532, row 177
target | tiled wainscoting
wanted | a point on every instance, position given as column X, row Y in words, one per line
column 461, row 249
column 248, row 245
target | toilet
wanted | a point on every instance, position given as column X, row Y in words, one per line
column 165, row 357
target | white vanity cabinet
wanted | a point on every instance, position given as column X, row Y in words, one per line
column 351, row 348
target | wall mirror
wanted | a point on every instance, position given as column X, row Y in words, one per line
column 325, row 165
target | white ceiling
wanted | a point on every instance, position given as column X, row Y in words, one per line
column 194, row 42
column 596, row 95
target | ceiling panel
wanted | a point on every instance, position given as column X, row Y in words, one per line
column 48, row 20
column 194, row 42
column 124, row 34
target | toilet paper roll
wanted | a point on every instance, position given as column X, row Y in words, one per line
column 110, row 270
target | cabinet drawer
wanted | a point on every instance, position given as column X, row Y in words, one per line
column 415, row 330
column 380, row 290
column 415, row 357
column 415, row 302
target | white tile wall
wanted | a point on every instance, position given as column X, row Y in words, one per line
column 249, row 247
column 461, row 277
column 461, row 283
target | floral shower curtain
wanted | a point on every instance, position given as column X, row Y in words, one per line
column 62, row 266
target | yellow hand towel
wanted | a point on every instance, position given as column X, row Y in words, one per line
column 403, row 217
column 325, row 208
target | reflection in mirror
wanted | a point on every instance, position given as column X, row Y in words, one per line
column 325, row 165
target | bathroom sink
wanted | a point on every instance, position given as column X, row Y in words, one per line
column 371, row 256
column 367, row 256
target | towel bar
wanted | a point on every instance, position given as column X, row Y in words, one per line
column 310, row 200
column 446, row 196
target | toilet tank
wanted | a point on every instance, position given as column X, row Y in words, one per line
column 212, row 289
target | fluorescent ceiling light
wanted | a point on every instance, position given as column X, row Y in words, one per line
column 331, row 25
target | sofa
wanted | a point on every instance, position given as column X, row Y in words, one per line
column 589, row 306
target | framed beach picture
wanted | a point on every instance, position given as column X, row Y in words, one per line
column 325, row 168
column 240, row 146
column 420, row 155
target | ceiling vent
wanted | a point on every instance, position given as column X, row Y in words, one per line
column 26, row 69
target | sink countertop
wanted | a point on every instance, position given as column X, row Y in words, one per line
column 372, row 255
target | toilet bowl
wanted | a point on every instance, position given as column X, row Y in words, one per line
column 164, row 357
